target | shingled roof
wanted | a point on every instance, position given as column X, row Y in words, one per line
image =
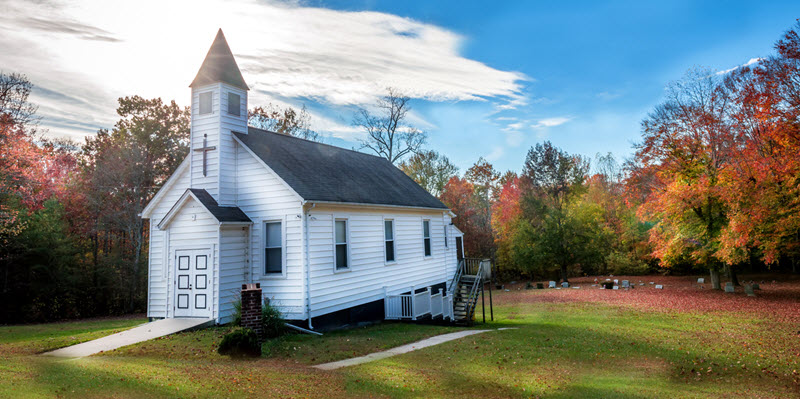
column 219, row 66
column 221, row 213
column 321, row 172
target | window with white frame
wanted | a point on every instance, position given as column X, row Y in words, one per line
column 205, row 103
column 273, row 248
column 340, row 244
column 234, row 104
column 388, row 235
column 426, row 236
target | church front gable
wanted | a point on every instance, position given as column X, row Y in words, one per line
column 192, row 270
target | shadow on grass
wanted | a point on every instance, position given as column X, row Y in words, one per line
column 549, row 359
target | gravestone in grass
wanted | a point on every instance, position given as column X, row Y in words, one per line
column 659, row 287
column 748, row 289
column 729, row 287
column 626, row 284
column 701, row 280
column 552, row 284
column 616, row 287
column 565, row 285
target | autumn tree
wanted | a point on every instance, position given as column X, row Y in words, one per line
column 430, row 170
column 124, row 168
column 686, row 145
column 387, row 133
column 761, row 187
column 15, row 89
column 284, row 121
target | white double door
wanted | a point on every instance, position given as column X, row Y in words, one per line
column 193, row 283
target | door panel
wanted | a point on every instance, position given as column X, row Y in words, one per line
column 192, row 283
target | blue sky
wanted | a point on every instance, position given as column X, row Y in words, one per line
column 488, row 79
column 601, row 65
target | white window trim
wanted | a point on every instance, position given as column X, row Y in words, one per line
column 263, row 269
column 346, row 219
column 394, row 239
column 430, row 237
column 228, row 104
column 199, row 95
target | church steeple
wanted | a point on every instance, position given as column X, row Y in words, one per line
column 219, row 66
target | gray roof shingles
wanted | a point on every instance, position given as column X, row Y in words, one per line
column 221, row 213
column 321, row 172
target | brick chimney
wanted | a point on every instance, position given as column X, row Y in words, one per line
column 251, row 308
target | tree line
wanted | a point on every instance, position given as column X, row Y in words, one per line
column 712, row 187
column 72, row 243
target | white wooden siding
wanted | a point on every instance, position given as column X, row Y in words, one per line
column 193, row 228
column 227, row 146
column 234, row 271
column 369, row 273
column 206, row 124
column 263, row 197
column 157, row 277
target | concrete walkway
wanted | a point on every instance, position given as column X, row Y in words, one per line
column 439, row 339
column 144, row 332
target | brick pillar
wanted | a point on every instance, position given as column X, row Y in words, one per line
column 251, row 308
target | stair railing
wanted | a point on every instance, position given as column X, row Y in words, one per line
column 456, row 278
column 472, row 299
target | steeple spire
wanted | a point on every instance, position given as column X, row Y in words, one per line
column 219, row 66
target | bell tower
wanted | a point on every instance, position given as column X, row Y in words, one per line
column 219, row 107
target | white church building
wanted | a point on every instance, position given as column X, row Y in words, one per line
column 328, row 232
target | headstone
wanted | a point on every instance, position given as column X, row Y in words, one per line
column 641, row 283
column 577, row 288
column 701, row 280
column 748, row 289
column 651, row 283
column 729, row 287
column 539, row 286
column 616, row 287
column 565, row 285
column 659, row 287
column 626, row 284
column 756, row 287
column 552, row 284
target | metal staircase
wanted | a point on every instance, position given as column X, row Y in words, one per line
column 465, row 288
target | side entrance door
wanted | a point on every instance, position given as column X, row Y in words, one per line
column 459, row 248
column 193, row 283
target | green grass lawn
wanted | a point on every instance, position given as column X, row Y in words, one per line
column 570, row 347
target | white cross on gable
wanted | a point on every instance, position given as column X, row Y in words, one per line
column 205, row 149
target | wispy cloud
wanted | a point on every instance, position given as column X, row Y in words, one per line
column 98, row 51
column 748, row 63
column 550, row 122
